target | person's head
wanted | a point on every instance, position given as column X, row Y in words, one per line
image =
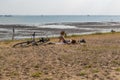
column 62, row 32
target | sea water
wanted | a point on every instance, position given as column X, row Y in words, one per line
column 40, row 22
column 43, row 19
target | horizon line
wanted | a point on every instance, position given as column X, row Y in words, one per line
column 58, row 15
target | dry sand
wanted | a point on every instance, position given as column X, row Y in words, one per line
column 98, row 59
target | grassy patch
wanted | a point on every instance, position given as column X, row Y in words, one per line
column 97, row 33
column 48, row 79
column 7, row 41
column 82, row 73
column 118, row 69
column 12, row 74
column 95, row 71
column 116, row 62
column 88, row 66
column 36, row 74
column 74, row 35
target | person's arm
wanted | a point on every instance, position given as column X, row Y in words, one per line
column 61, row 38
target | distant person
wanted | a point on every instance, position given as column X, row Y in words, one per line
column 112, row 31
column 62, row 37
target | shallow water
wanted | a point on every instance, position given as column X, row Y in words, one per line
column 52, row 30
column 51, row 25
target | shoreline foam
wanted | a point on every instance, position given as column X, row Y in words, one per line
column 22, row 31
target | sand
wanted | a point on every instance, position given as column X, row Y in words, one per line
column 98, row 59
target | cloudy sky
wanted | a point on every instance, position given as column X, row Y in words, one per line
column 60, row 7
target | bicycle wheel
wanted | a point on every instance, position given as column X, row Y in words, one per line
column 22, row 44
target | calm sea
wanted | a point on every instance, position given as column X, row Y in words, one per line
column 42, row 19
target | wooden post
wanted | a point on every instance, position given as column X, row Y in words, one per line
column 13, row 34
column 33, row 36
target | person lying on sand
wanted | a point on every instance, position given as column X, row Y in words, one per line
column 63, row 40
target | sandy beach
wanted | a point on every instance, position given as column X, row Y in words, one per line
column 59, row 39
column 98, row 59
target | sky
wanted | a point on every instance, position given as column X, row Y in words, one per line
column 60, row 7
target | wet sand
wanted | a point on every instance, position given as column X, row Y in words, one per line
column 24, row 31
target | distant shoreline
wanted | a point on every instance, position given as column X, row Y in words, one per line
column 43, row 19
column 53, row 29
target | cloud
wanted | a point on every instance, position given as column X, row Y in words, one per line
column 60, row 7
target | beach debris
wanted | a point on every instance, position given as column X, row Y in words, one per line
column 44, row 39
column 82, row 41
column 112, row 30
column 73, row 41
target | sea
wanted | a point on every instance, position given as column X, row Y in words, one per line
column 43, row 19
column 49, row 25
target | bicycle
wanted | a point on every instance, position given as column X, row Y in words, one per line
column 33, row 42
